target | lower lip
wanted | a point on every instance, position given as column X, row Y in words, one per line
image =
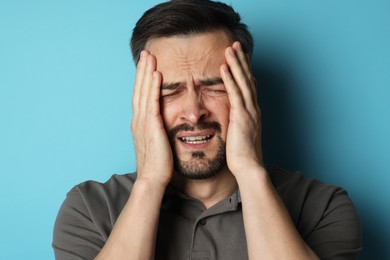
column 196, row 146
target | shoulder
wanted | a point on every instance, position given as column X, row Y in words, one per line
column 117, row 186
column 88, row 214
column 324, row 214
column 103, row 199
column 307, row 197
column 310, row 201
column 293, row 187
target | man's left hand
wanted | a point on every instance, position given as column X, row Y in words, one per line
column 243, row 144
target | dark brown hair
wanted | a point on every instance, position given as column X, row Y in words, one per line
column 189, row 17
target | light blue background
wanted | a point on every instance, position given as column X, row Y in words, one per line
column 66, row 79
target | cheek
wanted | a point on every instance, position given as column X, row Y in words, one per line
column 220, row 108
column 219, row 105
column 169, row 112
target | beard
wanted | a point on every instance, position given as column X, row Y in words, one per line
column 198, row 167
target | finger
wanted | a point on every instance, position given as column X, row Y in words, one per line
column 241, row 79
column 153, row 101
column 139, row 78
column 244, row 60
column 254, row 85
column 233, row 91
column 146, row 85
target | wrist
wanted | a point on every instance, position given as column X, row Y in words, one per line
column 251, row 173
column 150, row 186
column 159, row 177
column 242, row 166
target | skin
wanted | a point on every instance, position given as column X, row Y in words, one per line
column 189, row 61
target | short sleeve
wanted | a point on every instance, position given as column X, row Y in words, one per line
column 337, row 235
column 75, row 235
column 323, row 214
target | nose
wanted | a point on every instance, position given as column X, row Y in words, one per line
column 193, row 109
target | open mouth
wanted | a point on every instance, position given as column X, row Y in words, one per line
column 201, row 139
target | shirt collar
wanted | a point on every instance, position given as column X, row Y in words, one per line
column 233, row 199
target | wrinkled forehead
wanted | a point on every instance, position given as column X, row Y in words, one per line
column 189, row 52
column 217, row 37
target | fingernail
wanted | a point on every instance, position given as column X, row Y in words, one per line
column 231, row 51
column 142, row 55
column 224, row 68
column 149, row 60
column 238, row 45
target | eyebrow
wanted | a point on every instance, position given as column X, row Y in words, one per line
column 204, row 82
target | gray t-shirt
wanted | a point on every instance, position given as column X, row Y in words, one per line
column 323, row 214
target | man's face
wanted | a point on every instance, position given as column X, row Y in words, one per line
column 194, row 103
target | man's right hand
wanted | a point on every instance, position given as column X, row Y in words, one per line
column 152, row 147
column 134, row 233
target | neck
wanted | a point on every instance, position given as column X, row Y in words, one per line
column 209, row 191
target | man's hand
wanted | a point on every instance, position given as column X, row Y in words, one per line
column 134, row 233
column 243, row 144
column 153, row 151
column 269, row 230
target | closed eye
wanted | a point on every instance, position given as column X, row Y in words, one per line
column 165, row 96
column 213, row 91
column 171, row 94
column 213, row 85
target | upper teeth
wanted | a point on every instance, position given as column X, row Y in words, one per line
column 195, row 138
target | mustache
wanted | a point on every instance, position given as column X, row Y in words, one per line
column 200, row 126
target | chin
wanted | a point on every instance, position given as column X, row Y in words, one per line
column 199, row 166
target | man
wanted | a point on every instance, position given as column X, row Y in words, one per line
column 201, row 190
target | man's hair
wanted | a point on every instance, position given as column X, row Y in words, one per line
column 189, row 17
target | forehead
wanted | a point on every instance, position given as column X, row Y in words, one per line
column 196, row 55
